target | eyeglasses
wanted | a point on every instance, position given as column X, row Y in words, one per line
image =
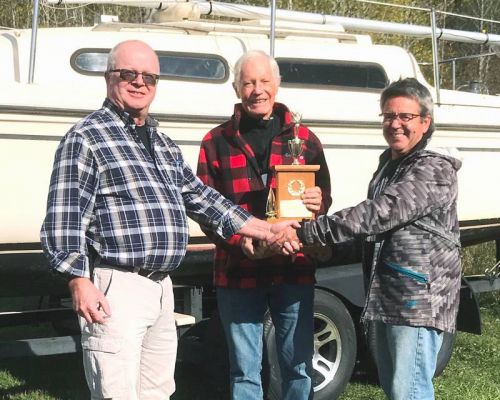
column 130, row 76
column 388, row 117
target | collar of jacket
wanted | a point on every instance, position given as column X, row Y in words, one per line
column 279, row 110
column 386, row 154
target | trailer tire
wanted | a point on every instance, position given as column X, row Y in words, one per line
column 443, row 357
column 335, row 349
column 445, row 352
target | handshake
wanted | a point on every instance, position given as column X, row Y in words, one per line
column 261, row 239
column 282, row 238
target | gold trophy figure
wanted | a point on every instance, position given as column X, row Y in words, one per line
column 295, row 144
column 271, row 206
column 285, row 201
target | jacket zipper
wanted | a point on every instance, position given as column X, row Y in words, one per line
column 374, row 262
column 414, row 275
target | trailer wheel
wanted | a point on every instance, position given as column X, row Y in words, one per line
column 445, row 352
column 334, row 349
column 443, row 357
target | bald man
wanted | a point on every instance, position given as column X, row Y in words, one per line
column 116, row 224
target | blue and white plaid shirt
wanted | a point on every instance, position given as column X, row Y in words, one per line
column 108, row 193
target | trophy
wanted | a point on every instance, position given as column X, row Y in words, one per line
column 295, row 144
column 291, row 182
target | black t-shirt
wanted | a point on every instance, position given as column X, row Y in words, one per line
column 386, row 170
column 142, row 132
column 259, row 134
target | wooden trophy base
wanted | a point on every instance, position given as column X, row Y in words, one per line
column 291, row 183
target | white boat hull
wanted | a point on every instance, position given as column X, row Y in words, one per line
column 34, row 117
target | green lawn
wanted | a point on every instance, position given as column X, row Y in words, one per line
column 473, row 373
column 474, row 370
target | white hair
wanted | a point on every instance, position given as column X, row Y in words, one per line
column 254, row 54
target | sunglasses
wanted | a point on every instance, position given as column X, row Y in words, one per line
column 130, row 76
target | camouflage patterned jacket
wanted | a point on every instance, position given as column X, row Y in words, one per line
column 410, row 229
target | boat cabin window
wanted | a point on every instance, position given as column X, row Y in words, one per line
column 182, row 66
column 321, row 73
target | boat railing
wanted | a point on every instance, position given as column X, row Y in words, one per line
column 246, row 12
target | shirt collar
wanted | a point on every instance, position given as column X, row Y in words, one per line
column 125, row 116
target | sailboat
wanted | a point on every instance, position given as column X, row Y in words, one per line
column 52, row 77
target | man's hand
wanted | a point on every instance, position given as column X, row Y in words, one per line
column 279, row 227
column 88, row 301
column 312, row 199
column 263, row 230
column 255, row 251
column 285, row 240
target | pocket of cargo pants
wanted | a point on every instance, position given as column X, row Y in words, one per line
column 104, row 365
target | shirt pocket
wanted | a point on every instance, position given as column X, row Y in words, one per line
column 172, row 170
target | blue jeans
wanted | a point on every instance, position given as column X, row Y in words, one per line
column 242, row 314
column 406, row 360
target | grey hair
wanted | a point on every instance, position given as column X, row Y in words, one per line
column 252, row 54
column 112, row 58
column 413, row 89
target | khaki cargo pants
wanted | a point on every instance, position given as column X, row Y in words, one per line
column 131, row 356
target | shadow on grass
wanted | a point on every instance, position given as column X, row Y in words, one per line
column 60, row 377
column 193, row 383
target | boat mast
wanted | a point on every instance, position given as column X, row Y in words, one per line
column 435, row 57
column 273, row 28
column 34, row 32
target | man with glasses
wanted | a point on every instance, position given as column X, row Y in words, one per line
column 116, row 224
column 409, row 227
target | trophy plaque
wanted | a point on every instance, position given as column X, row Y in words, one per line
column 291, row 182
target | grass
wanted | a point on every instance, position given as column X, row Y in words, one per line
column 473, row 373
column 474, row 370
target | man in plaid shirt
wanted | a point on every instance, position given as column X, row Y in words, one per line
column 116, row 223
column 236, row 159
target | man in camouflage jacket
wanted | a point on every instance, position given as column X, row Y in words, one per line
column 411, row 254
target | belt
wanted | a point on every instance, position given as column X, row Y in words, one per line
column 150, row 274
column 154, row 275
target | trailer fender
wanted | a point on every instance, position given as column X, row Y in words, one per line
column 344, row 280
column 469, row 315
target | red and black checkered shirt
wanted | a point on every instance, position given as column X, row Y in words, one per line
column 227, row 163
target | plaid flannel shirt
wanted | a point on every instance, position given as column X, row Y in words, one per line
column 107, row 192
column 227, row 163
